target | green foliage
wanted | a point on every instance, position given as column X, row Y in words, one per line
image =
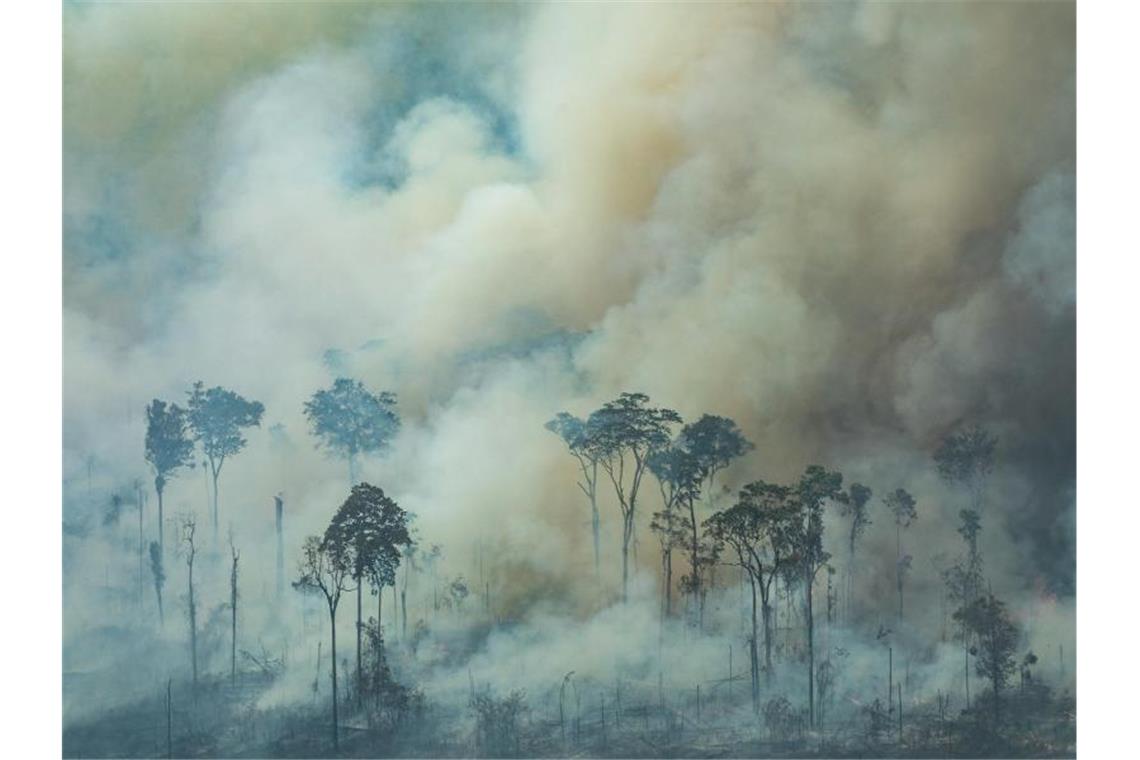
column 217, row 416
column 713, row 442
column 967, row 456
column 855, row 507
column 349, row 420
column 678, row 471
column 901, row 505
column 497, row 723
column 997, row 639
column 816, row 487
column 370, row 527
column 168, row 445
column 758, row 528
column 628, row 425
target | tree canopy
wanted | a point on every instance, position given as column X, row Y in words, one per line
column 168, row 445
column 370, row 528
column 350, row 420
column 217, row 417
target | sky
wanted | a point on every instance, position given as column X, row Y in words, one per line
column 849, row 227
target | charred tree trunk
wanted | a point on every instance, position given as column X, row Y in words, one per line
column 233, row 615
column 595, row 520
column 359, row 632
column 215, row 473
column 193, row 621
column 159, row 485
column 169, row 721
column 279, row 508
column 811, row 653
column 627, row 533
column 139, row 496
column 766, row 612
column 335, row 720
column 752, row 653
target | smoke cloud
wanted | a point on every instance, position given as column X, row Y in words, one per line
column 849, row 227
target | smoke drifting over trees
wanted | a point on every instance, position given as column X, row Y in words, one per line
column 792, row 285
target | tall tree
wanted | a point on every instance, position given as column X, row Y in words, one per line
column 757, row 528
column 326, row 566
column 816, row 487
column 351, row 421
column 168, row 447
column 625, row 431
column 901, row 506
column 964, row 581
column 854, row 506
column 713, row 443
column 678, row 478
column 965, row 460
column 218, row 417
column 998, row 638
column 575, row 434
column 371, row 527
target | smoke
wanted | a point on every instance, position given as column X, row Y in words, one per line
column 848, row 227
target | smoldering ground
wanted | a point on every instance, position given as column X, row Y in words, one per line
column 849, row 227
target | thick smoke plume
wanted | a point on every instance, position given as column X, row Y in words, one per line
column 849, row 227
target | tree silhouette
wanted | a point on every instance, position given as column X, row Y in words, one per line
column 168, row 447
column 217, row 417
column 965, row 460
column 998, row 638
column 371, row 527
column 326, row 566
column 625, row 432
column 757, row 528
column 901, row 505
column 349, row 420
column 805, row 538
column 714, row 442
column 678, row 478
column 855, row 507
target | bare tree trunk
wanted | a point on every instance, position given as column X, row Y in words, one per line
column 627, row 524
column 279, row 507
column 966, row 652
column 395, row 611
column 359, row 630
column 169, row 722
column 669, row 583
column 139, row 496
column 159, row 484
column 233, row 615
column 596, row 520
column 898, row 566
column 754, row 657
column 215, row 510
column 161, row 617
column 193, row 623
column 811, row 654
column 766, row 611
column 332, row 625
